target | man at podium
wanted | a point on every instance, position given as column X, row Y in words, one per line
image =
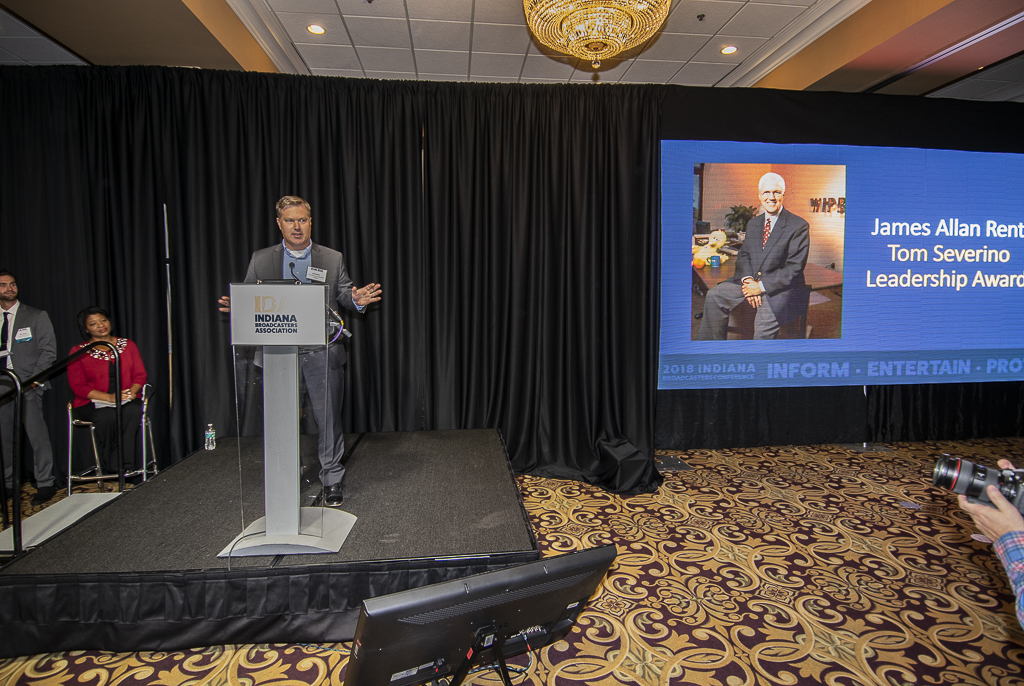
column 323, row 374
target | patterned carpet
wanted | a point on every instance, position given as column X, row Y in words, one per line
column 781, row 566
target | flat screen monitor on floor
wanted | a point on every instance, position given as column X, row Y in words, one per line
column 444, row 629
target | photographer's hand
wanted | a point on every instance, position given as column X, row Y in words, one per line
column 994, row 522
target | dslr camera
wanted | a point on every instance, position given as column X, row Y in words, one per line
column 971, row 480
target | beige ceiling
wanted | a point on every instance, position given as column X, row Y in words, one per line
column 951, row 48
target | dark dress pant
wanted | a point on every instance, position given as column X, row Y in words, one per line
column 105, row 421
column 324, row 377
column 719, row 304
column 38, row 438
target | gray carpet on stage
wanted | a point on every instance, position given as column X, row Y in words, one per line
column 416, row 495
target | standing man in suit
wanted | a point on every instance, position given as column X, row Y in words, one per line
column 28, row 347
column 769, row 269
column 323, row 375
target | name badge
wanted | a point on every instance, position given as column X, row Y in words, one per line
column 318, row 275
column 24, row 334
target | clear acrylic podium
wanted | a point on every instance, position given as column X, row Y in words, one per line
column 276, row 320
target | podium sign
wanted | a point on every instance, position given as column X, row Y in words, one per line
column 281, row 318
column 278, row 314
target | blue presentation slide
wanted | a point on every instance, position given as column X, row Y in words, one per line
column 882, row 266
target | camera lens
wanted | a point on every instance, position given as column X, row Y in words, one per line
column 975, row 480
column 946, row 471
column 961, row 476
column 971, row 480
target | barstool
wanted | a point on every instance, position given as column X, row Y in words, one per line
column 95, row 473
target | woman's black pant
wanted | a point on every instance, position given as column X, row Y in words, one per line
column 105, row 421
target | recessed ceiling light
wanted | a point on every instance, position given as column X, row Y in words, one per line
column 729, row 49
column 316, row 28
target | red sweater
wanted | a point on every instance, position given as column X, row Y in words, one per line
column 88, row 373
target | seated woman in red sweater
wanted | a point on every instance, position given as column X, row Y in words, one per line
column 92, row 379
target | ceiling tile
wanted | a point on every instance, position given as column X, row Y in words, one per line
column 329, row 56
column 649, row 71
column 295, row 24
column 379, row 32
column 701, row 74
column 440, row 35
column 1009, row 91
column 538, row 48
column 610, row 71
column 443, row 77
column 802, row 3
column 442, row 62
column 1011, row 70
column 362, row 8
column 490, row 79
column 673, row 46
column 453, row 10
column 543, row 67
column 320, row 6
column 8, row 58
column 386, row 59
column 716, row 14
column 499, row 12
column 500, row 38
column 486, row 64
column 351, row 73
column 391, row 75
column 762, row 21
column 37, row 49
column 584, row 77
column 11, row 26
column 970, row 89
column 712, row 52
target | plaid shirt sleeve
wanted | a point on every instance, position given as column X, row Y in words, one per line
column 1010, row 549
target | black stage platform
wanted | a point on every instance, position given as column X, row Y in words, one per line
column 142, row 572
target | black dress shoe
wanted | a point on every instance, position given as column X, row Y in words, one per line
column 43, row 495
column 333, row 496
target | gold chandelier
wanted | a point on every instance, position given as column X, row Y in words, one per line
column 595, row 29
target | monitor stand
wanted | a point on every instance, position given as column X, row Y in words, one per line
column 485, row 638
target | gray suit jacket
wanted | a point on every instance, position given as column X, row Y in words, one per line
column 267, row 264
column 33, row 355
column 779, row 264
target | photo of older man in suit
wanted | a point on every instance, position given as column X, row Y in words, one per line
column 769, row 269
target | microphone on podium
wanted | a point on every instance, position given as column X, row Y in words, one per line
column 338, row 321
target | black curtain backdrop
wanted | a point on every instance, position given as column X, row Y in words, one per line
column 352, row 150
column 80, row 195
column 514, row 228
column 748, row 417
column 521, row 296
column 540, row 206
